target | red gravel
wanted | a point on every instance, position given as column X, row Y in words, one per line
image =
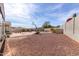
column 46, row 44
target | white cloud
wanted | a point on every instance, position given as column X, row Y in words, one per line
column 62, row 17
column 70, row 13
column 19, row 13
column 58, row 6
column 67, row 15
column 57, row 15
column 19, row 9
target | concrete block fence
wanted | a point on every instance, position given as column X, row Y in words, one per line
column 71, row 28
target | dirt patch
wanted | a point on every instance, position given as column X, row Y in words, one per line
column 45, row 44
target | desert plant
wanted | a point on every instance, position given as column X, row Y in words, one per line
column 23, row 30
column 57, row 31
column 37, row 31
column 53, row 30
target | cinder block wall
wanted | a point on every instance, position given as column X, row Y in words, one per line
column 68, row 29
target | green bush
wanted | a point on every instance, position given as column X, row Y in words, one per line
column 37, row 32
column 57, row 31
column 53, row 30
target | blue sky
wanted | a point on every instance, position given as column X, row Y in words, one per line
column 23, row 14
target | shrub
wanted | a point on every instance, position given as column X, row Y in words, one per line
column 57, row 31
column 37, row 31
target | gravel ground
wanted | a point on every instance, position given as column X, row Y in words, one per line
column 45, row 44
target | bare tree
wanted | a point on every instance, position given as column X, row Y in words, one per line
column 37, row 31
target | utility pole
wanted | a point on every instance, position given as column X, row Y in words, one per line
column 74, row 16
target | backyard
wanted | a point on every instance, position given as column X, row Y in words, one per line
column 43, row 44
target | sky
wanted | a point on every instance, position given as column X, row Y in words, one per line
column 23, row 14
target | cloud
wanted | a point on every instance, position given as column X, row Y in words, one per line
column 70, row 13
column 56, row 7
column 19, row 13
column 22, row 14
column 19, row 9
column 64, row 16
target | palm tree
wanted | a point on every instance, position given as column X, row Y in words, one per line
column 74, row 16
